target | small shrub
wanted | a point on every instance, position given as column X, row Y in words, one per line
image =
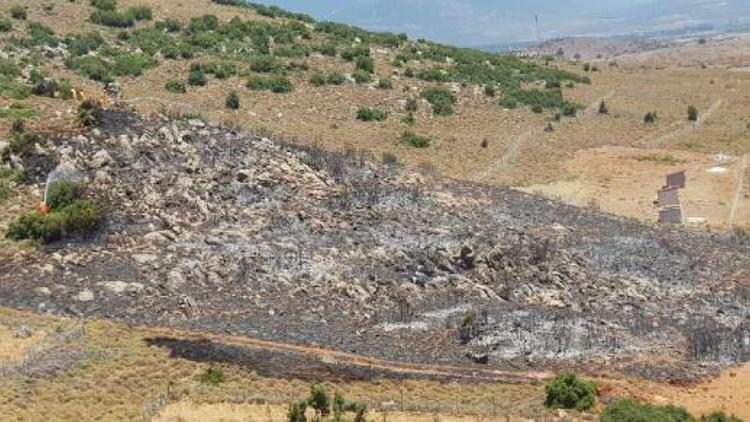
column 4, row 191
column 18, row 12
column 632, row 411
column 362, row 77
column 336, row 79
column 168, row 25
column 414, row 140
column 112, row 18
column 197, row 78
column 317, row 79
column 63, row 193
column 490, row 91
column 409, row 72
column 370, row 115
column 104, row 4
column 537, row 108
column 365, row 63
column 567, row 391
column 233, row 101
column 468, row 329
column 569, row 110
column 88, row 113
column 719, row 417
column 264, row 64
column 296, row 412
column 409, row 119
column 549, row 128
column 411, row 105
column 603, row 108
column 213, row 376
column 178, row 87
column 5, row 25
column 587, row 67
column 80, row 218
column 384, row 83
column 692, row 113
column 140, row 13
column 441, row 99
column 390, row 159
column 280, row 84
column 485, row 143
column 650, row 117
column 319, row 400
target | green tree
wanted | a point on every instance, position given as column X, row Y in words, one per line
column 567, row 391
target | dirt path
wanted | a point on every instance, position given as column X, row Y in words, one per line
column 343, row 358
column 738, row 192
column 682, row 129
column 512, row 152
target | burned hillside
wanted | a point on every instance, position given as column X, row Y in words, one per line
column 216, row 230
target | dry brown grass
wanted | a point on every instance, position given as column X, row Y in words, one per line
column 662, row 81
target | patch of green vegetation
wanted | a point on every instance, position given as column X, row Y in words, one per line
column 233, row 101
column 354, row 53
column 318, row 79
column 633, row 411
column 264, row 64
column 18, row 111
column 414, row 140
column 650, row 117
column 277, row 84
column 9, row 88
column 213, row 376
column 568, row 391
column 168, row 25
column 6, row 25
column 18, row 12
column 112, row 18
column 140, row 13
column 220, row 70
column 82, row 44
column 441, row 99
column 197, row 78
column 80, row 218
column 385, row 83
column 110, row 64
column 372, row 115
column 365, row 63
column 411, row 105
column 362, row 77
column 38, row 34
column 150, row 40
column 104, row 4
column 336, row 79
column 175, row 86
column 667, row 159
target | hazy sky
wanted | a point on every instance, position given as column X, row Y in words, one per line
column 473, row 22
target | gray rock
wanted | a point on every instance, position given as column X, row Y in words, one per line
column 85, row 296
column 100, row 159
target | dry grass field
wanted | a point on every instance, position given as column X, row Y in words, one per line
column 518, row 152
column 116, row 375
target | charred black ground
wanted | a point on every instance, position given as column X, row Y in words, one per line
column 216, row 230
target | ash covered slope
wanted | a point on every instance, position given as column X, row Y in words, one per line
column 220, row 231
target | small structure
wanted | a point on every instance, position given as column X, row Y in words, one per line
column 677, row 180
column 668, row 199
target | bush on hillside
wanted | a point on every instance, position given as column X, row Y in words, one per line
column 365, row 63
column 79, row 218
column 178, row 87
column 362, row 77
column 371, row 115
column 140, row 13
column 5, row 25
column 197, row 78
column 112, row 18
column 63, row 193
column 385, row 83
column 411, row 105
column 104, row 4
column 233, row 101
column 567, row 391
column 336, row 79
column 317, row 79
column 414, row 140
column 213, row 376
column 650, row 117
column 18, row 12
column 632, row 411
column 441, row 99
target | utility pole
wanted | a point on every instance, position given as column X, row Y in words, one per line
column 536, row 21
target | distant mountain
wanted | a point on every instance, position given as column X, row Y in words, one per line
column 481, row 22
